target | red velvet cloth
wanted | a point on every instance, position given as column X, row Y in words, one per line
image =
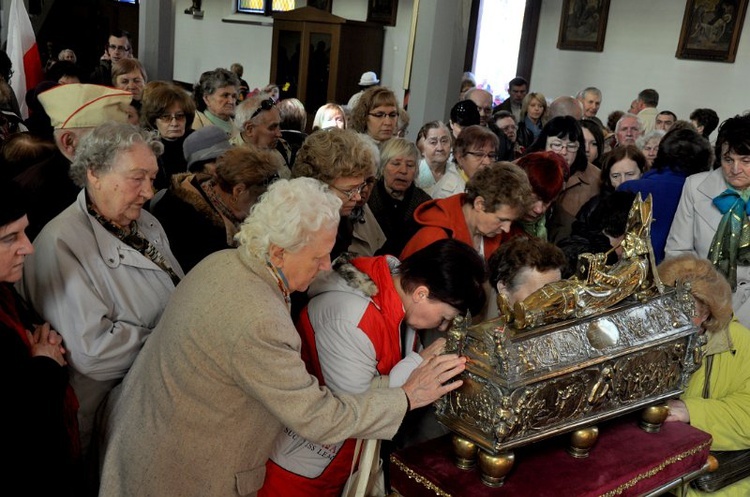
column 626, row 461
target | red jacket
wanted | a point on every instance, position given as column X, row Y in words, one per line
column 443, row 218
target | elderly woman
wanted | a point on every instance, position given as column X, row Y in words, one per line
column 520, row 267
column 215, row 97
column 464, row 113
column 395, row 197
column 293, row 124
column 376, row 114
column 130, row 75
column 475, row 149
column 531, row 121
column 222, row 375
column 39, row 404
column 166, row 109
column 711, row 216
column 329, row 115
column 649, row 145
column 343, row 160
column 213, row 205
column 482, row 217
column 682, row 153
column 438, row 175
column 716, row 399
column 103, row 271
column 545, row 172
column 353, row 333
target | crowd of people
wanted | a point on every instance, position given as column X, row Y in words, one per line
column 204, row 294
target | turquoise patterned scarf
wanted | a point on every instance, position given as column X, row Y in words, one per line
column 731, row 243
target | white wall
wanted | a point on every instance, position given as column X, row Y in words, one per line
column 639, row 52
column 204, row 44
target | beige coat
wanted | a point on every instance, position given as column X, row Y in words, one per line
column 220, row 376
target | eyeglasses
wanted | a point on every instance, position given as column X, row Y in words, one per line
column 179, row 116
column 357, row 190
column 559, row 146
column 118, row 48
column 383, row 115
column 264, row 105
column 483, row 155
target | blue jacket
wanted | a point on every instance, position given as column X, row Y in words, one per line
column 666, row 187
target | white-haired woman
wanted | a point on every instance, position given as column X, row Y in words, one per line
column 222, row 374
column 102, row 270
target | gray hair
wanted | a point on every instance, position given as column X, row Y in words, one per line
column 397, row 147
column 245, row 110
column 218, row 78
column 98, row 150
column 641, row 141
column 628, row 115
column 589, row 89
column 283, row 216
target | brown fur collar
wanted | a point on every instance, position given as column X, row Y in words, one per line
column 183, row 187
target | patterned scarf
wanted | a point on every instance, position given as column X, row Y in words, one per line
column 731, row 243
column 135, row 240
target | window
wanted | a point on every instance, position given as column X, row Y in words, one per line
column 264, row 7
column 510, row 24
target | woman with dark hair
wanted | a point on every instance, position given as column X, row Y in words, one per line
column 564, row 136
column 363, row 325
column 464, row 113
column 482, row 217
column 711, row 219
column 41, row 433
column 522, row 266
column 545, row 172
column 166, row 108
column 593, row 141
column 682, row 152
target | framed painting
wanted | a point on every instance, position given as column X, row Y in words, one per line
column 583, row 24
column 711, row 30
column 382, row 11
column 320, row 4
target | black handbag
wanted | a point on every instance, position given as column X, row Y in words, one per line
column 734, row 465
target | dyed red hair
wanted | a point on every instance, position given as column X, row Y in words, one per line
column 546, row 173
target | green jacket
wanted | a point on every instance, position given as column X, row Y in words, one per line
column 726, row 413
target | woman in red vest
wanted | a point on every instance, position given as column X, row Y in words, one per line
column 361, row 330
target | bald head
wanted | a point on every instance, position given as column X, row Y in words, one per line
column 483, row 99
column 566, row 106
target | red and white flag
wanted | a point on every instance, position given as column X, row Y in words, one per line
column 23, row 53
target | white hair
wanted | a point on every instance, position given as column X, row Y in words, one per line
column 628, row 115
column 287, row 215
column 245, row 110
column 643, row 140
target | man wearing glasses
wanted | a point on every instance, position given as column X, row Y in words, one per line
column 259, row 123
column 118, row 47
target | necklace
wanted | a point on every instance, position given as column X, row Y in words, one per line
column 278, row 275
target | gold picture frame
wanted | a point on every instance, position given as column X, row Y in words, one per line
column 711, row 30
column 583, row 25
